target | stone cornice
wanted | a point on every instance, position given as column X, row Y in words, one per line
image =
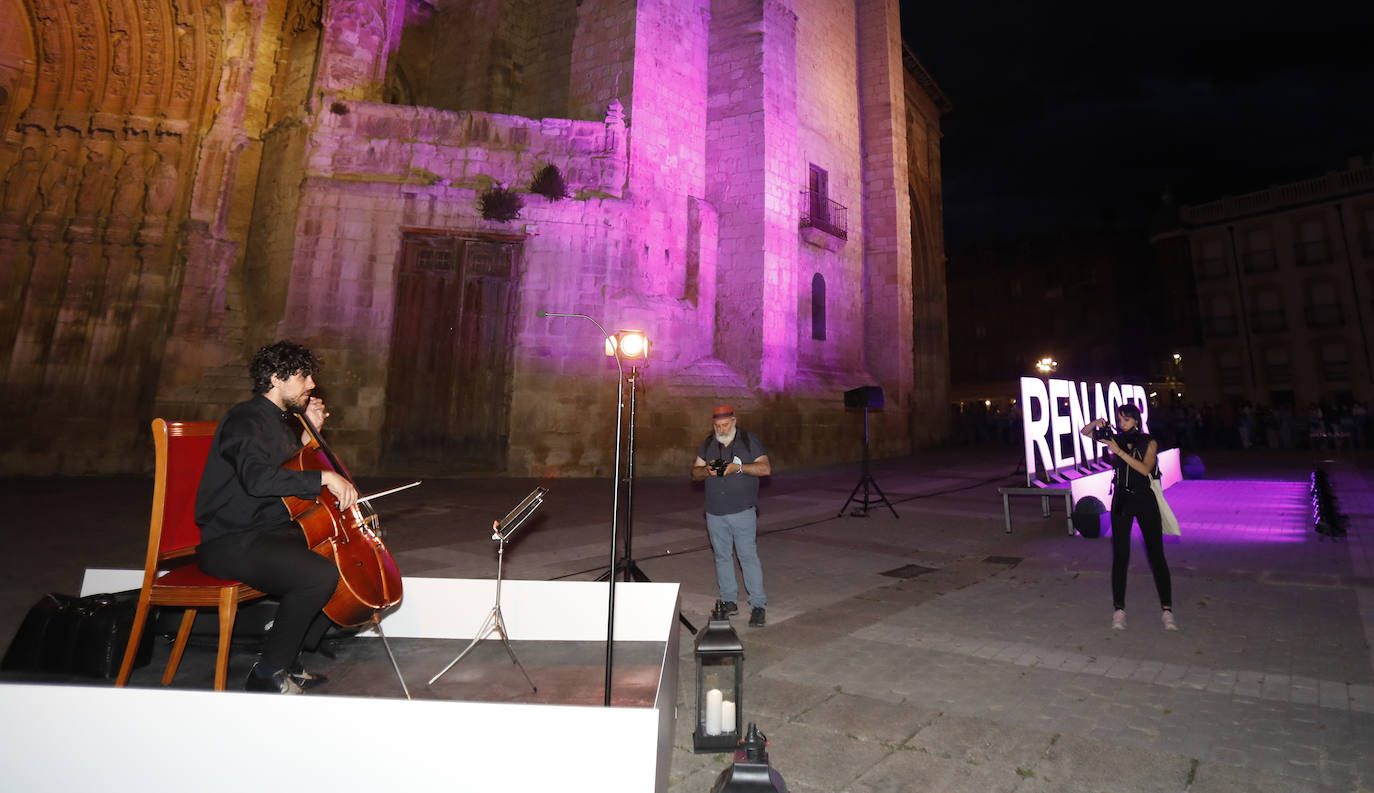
column 923, row 78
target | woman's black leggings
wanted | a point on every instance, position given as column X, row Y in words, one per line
column 1140, row 507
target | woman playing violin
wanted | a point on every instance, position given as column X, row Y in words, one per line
column 247, row 533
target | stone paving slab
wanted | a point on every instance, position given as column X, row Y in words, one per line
column 995, row 670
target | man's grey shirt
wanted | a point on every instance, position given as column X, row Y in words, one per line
column 726, row 495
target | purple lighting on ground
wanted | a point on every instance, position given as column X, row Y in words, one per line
column 1242, row 512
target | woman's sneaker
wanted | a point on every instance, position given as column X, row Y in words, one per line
column 1168, row 619
column 1119, row 620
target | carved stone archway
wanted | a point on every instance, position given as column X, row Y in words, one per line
column 105, row 109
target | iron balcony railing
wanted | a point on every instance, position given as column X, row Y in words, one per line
column 1278, row 373
column 1229, row 375
column 1219, row 327
column 1327, row 315
column 1215, row 267
column 1260, row 262
column 1310, row 254
column 819, row 212
column 1268, row 321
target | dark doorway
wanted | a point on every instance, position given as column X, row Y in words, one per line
column 448, row 384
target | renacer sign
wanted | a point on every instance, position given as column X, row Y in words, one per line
column 1053, row 411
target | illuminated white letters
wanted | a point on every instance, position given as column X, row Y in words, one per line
column 1053, row 411
column 1035, row 421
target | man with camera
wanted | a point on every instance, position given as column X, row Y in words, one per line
column 736, row 460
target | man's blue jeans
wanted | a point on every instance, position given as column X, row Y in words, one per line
column 733, row 535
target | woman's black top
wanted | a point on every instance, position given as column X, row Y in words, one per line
column 1127, row 479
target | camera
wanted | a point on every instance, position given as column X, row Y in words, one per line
column 1102, row 434
column 718, row 465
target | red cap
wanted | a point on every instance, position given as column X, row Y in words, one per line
column 723, row 412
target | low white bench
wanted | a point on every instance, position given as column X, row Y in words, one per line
column 1046, row 492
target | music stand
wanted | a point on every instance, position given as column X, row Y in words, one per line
column 865, row 397
column 501, row 532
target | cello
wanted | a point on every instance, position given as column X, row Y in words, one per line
column 369, row 580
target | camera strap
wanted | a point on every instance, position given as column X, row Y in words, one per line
column 740, row 437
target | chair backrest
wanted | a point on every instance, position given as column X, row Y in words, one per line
column 182, row 449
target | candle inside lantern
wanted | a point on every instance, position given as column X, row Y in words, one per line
column 713, row 708
column 727, row 716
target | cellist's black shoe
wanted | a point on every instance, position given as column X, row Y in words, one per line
column 307, row 680
column 280, row 682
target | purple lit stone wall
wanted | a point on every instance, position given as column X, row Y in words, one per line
column 328, row 133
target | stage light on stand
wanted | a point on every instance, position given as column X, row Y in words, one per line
column 633, row 346
column 720, row 677
column 615, row 495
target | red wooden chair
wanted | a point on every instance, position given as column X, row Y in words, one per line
column 182, row 448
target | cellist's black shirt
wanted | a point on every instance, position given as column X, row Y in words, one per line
column 243, row 483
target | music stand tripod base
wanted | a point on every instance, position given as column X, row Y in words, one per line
column 502, row 531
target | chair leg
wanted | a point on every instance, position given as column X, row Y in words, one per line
column 228, row 607
column 179, row 647
column 126, row 667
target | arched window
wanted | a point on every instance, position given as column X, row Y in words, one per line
column 818, row 307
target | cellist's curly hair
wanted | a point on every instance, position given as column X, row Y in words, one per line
column 282, row 359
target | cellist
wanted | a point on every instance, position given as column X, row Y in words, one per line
column 246, row 532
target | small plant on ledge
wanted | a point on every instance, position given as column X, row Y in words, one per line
column 548, row 182
column 498, row 203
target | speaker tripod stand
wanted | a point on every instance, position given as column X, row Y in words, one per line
column 866, row 482
column 501, row 532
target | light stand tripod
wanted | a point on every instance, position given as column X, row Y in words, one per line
column 626, row 563
column 501, row 532
column 615, row 497
column 866, row 481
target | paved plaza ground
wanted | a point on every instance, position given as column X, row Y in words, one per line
column 931, row 651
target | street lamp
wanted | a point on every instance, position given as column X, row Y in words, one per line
column 1046, row 365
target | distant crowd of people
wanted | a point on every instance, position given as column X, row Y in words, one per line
column 1207, row 426
column 1225, row 426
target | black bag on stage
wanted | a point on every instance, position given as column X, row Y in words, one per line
column 252, row 620
column 251, row 623
column 86, row 636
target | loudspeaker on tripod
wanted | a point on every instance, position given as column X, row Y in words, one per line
column 867, row 396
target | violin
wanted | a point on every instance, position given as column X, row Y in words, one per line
column 369, row 580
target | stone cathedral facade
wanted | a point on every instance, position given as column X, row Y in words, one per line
column 406, row 185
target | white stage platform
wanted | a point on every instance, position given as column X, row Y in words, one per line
column 95, row 738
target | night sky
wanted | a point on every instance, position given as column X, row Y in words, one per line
column 1075, row 116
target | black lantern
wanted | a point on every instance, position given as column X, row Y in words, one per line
column 720, row 674
column 750, row 772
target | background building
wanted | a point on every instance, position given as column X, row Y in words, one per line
column 755, row 184
column 1285, row 291
column 1093, row 301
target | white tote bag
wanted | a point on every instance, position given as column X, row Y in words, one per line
column 1166, row 513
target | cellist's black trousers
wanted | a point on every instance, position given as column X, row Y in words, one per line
column 278, row 562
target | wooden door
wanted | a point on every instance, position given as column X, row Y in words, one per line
column 448, row 384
